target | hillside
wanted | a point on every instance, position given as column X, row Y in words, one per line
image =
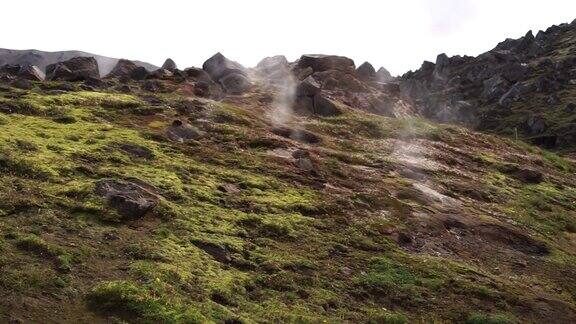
column 166, row 200
column 42, row 59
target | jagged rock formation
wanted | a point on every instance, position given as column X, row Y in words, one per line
column 169, row 65
column 519, row 87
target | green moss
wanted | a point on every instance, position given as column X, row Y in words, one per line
column 151, row 306
column 490, row 319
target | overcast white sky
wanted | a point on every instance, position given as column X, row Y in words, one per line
column 396, row 34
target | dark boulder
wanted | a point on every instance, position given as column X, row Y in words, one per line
column 75, row 69
column 231, row 75
column 196, row 74
column 23, row 84
column 31, row 72
column 131, row 200
column 235, row 83
column 182, row 132
column 137, row 151
column 310, row 101
column 296, row 134
column 308, row 87
column 320, row 63
column 516, row 93
column 169, row 65
column 494, row 88
column 366, row 72
column 218, row 66
column 535, row 125
column 570, row 107
column 128, row 70
column 325, row 107
column 529, row 175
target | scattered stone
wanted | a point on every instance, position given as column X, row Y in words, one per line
column 76, row 69
column 181, row 132
column 137, row 151
column 130, row 200
column 229, row 188
column 218, row 252
column 299, row 135
column 529, row 175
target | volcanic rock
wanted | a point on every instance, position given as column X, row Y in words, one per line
column 76, row 69
column 366, row 72
column 182, row 132
column 382, row 75
column 320, row 63
column 131, row 200
column 169, row 65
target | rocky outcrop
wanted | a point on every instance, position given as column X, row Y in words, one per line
column 496, row 90
column 76, row 69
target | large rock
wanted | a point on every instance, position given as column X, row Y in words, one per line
column 131, row 200
column 275, row 70
column 76, row 69
column 28, row 72
column 128, row 69
column 231, row 75
column 235, row 83
column 320, row 63
column 169, row 65
column 366, row 72
column 310, row 101
column 218, row 66
column 31, row 72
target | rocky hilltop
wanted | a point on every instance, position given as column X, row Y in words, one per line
column 307, row 191
column 523, row 87
column 42, row 59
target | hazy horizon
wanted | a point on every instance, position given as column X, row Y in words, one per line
column 398, row 36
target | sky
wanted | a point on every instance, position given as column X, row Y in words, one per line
column 398, row 35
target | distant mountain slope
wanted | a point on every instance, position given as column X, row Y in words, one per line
column 43, row 59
